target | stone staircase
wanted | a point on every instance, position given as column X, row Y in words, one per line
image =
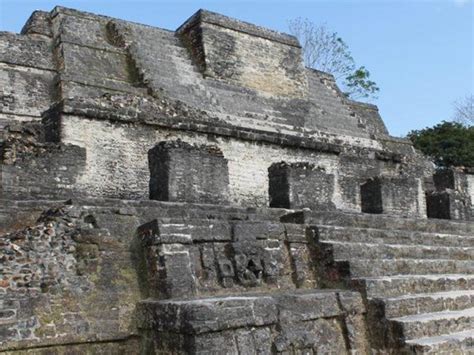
column 330, row 103
column 167, row 67
column 417, row 278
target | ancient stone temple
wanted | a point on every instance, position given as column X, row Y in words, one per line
column 201, row 191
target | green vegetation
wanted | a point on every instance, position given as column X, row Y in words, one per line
column 448, row 143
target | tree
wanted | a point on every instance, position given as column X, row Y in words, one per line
column 326, row 51
column 448, row 143
column 464, row 110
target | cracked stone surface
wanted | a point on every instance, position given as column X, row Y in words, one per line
column 201, row 191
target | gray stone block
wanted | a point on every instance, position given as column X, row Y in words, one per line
column 448, row 204
column 300, row 185
column 392, row 195
column 186, row 173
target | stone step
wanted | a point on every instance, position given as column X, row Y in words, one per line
column 454, row 343
column 390, row 267
column 201, row 230
column 371, row 235
column 169, row 83
column 427, row 302
column 183, row 62
column 434, row 324
column 20, row 214
column 393, row 286
column 327, row 101
column 348, row 251
column 380, row 221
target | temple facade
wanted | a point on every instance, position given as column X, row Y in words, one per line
column 201, row 191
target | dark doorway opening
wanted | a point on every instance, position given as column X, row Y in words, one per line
column 371, row 196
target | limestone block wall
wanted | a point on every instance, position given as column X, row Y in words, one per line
column 448, row 205
column 398, row 195
column 117, row 159
column 300, row 185
column 209, row 258
column 231, row 50
column 401, row 196
column 117, row 162
column 177, row 70
column 88, row 68
column 182, row 172
column 257, row 325
column 26, row 77
column 34, row 169
column 452, row 198
column 84, row 56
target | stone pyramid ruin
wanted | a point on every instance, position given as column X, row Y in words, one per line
column 200, row 191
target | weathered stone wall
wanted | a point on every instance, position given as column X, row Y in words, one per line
column 445, row 205
column 231, row 50
column 452, row 198
column 26, row 77
column 67, row 280
column 84, row 101
column 205, row 258
column 177, row 73
column 257, row 325
column 401, row 196
column 272, row 268
column 93, row 55
column 34, row 169
column 117, row 162
column 75, row 277
column 182, row 172
column 300, row 185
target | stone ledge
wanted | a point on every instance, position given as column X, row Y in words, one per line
column 38, row 24
column 69, row 340
column 377, row 221
column 27, row 51
column 177, row 116
column 236, row 25
column 208, row 315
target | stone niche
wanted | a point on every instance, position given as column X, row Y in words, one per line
column 451, row 198
column 452, row 179
column 245, row 54
column 391, row 195
column 300, row 185
column 449, row 204
column 181, row 172
column 371, row 196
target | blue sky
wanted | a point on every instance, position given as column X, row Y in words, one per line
column 420, row 52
